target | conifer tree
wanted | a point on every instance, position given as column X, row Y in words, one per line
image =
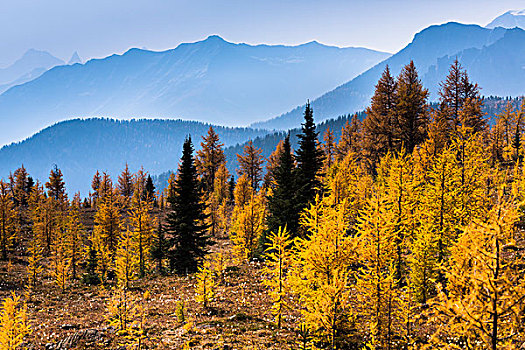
column 250, row 164
column 60, row 261
column 186, row 226
column 328, row 148
column 125, row 185
column 75, row 237
column 411, row 108
column 14, row 325
column 380, row 300
column 150, row 189
column 248, row 226
column 107, row 230
column 482, row 304
column 219, row 207
column 126, row 259
column 398, row 188
column 282, row 210
column 379, row 125
column 278, row 260
column 56, row 188
column 243, row 192
column 142, row 229
column 460, row 102
column 350, row 141
column 7, row 220
column 423, row 262
column 35, row 244
column 347, row 182
column 205, row 288
column 272, row 163
column 159, row 248
column 34, row 261
column 21, row 186
column 309, row 159
column 209, row 158
column 43, row 217
column 95, row 186
column 319, row 277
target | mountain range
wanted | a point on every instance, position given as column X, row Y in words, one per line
column 210, row 80
column 230, row 83
column 28, row 67
column 494, row 58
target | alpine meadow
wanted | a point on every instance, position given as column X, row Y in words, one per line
column 396, row 224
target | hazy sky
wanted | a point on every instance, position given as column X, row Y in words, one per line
column 97, row 28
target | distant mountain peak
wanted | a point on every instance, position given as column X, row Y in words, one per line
column 215, row 38
column 510, row 19
column 75, row 58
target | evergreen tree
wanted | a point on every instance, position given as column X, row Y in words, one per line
column 186, row 228
column 150, row 189
column 282, row 211
column 309, row 159
column 159, row 248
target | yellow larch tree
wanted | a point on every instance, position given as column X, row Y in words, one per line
column 60, row 261
column 14, row 325
column 319, row 274
column 248, row 225
column 143, row 226
column 205, row 287
column 398, row 186
column 75, row 236
column 43, row 217
column 7, row 220
column 126, row 258
column 381, row 301
column 423, row 261
column 473, row 169
column 35, row 244
column 107, row 229
column 278, row 260
column 243, row 192
column 329, row 149
column 348, row 182
column 481, row 306
column 441, row 202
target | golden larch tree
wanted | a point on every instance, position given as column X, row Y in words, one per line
column 278, row 260
column 481, row 305
column 14, row 325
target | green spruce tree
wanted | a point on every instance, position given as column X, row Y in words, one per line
column 186, row 228
column 310, row 158
column 282, row 210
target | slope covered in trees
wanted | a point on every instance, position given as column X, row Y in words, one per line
column 82, row 146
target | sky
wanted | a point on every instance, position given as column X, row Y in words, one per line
column 99, row 28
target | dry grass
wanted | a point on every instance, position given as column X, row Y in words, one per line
column 238, row 318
